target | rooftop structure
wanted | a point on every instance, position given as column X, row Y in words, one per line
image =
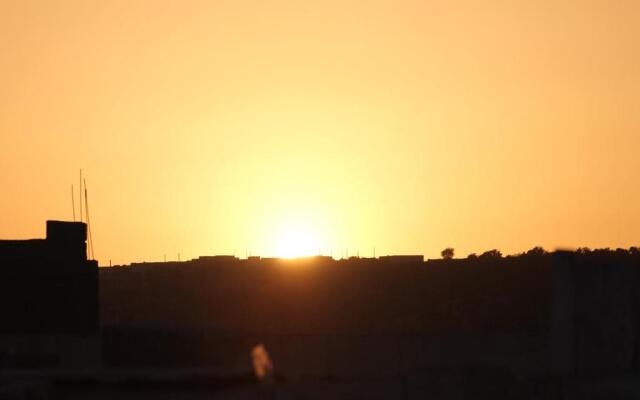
column 48, row 285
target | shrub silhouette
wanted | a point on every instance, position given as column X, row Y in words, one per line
column 491, row 254
column 447, row 253
column 536, row 251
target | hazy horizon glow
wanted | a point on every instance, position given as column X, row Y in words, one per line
column 276, row 127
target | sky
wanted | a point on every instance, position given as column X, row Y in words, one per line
column 291, row 127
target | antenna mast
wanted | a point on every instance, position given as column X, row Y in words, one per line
column 80, row 195
column 73, row 205
column 86, row 206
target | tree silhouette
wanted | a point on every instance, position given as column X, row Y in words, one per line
column 447, row 253
column 495, row 253
column 536, row 251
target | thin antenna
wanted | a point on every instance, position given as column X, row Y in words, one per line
column 80, row 195
column 73, row 204
column 86, row 206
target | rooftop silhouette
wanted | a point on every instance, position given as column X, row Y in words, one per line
column 48, row 285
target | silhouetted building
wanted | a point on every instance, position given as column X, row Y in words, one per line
column 48, row 285
column 402, row 259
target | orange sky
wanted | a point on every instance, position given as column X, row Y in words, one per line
column 208, row 127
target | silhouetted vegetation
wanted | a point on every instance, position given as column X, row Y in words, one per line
column 491, row 254
column 447, row 253
column 536, row 252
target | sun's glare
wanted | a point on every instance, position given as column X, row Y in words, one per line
column 297, row 241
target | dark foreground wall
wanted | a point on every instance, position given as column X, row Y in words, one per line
column 329, row 317
column 560, row 314
column 365, row 296
column 596, row 321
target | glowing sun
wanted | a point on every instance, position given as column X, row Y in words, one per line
column 297, row 241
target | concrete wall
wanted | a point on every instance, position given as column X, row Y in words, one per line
column 566, row 314
column 364, row 318
column 475, row 298
column 340, row 356
column 596, row 308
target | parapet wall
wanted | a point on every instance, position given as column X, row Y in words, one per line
column 344, row 356
column 563, row 314
column 596, row 313
column 326, row 317
column 332, row 297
